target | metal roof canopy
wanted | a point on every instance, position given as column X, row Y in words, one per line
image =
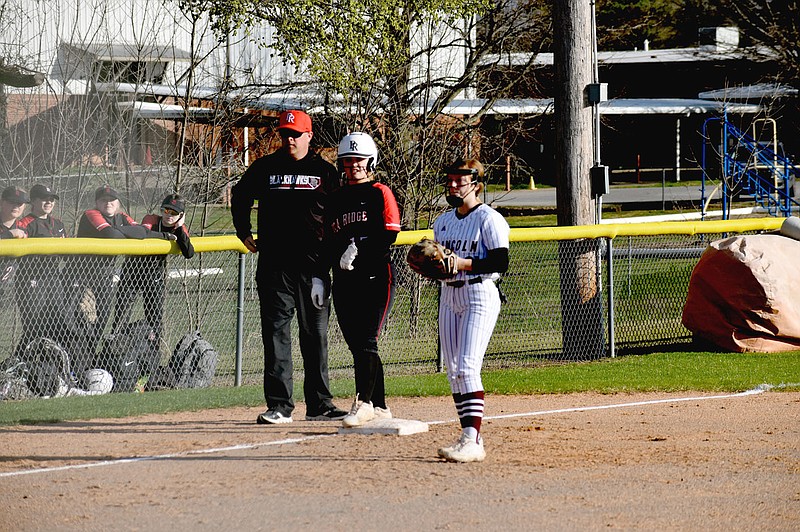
column 759, row 91
column 523, row 106
column 160, row 111
column 620, row 106
column 130, row 52
column 618, row 57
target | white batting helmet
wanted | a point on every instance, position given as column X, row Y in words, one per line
column 358, row 144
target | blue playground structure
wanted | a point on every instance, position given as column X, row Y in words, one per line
column 750, row 165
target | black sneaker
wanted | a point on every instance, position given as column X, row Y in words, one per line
column 272, row 417
column 331, row 414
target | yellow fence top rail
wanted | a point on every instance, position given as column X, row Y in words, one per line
column 107, row 246
column 615, row 230
column 103, row 246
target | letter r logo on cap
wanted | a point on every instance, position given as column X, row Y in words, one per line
column 353, row 145
column 289, row 118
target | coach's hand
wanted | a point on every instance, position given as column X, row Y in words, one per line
column 250, row 244
column 318, row 293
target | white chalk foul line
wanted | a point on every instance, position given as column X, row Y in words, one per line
column 757, row 390
column 163, row 456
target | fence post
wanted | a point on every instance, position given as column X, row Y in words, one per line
column 240, row 320
column 612, row 350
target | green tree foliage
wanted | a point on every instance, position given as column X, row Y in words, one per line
column 390, row 68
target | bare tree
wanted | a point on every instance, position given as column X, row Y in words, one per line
column 773, row 26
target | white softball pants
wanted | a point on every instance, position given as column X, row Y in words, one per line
column 467, row 316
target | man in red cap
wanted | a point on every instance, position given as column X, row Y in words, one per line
column 290, row 185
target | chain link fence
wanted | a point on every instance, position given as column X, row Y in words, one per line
column 567, row 299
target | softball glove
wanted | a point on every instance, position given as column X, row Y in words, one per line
column 432, row 260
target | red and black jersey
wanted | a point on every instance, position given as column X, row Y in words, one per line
column 154, row 222
column 290, row 196
column 8, row 265
column 95, row 224
column 47, row 227
column 151, row 267
column 5, row 232
column 367, row 214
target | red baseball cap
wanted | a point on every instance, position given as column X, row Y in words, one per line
column 296, row 121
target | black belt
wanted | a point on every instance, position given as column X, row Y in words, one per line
column 459, row 284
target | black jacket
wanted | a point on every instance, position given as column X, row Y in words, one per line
column 290, row 196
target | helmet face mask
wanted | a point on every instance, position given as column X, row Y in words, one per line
column 358, row 144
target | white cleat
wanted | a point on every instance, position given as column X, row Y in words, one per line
column 383, row 413
column 466, row 449
column 360, row 413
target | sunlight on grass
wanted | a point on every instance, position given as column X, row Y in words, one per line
column 661, row 372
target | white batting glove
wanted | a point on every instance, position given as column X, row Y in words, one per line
column 349, row 255
column 317, row 293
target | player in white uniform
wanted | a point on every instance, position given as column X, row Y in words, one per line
column 470, row 301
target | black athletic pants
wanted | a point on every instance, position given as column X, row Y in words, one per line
column 145, row 275
column 95, row 273
column 362, row 301
column 281, row 293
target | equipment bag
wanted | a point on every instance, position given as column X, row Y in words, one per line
column 130, row 354
column 48, row 368
column 192, row 364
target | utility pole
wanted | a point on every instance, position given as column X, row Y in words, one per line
column 581, row 302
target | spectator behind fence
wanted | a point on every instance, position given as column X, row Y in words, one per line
column 146, row 274
column 93, row 275
column 12, row 203
column 39, row 281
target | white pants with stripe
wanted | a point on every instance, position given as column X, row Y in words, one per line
column 467, row 316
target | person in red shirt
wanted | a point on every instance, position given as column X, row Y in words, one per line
column 39, row 282
column 12, row 203
column 96, row 273
column 146, row 273
column 40, row 222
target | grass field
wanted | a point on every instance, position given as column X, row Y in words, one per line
column 665, row 372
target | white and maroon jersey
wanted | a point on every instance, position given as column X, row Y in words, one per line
column 473, row 235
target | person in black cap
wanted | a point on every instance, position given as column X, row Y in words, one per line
column 146, row 273
column 93, row 275
column 12, row 203
column 40, row 222
column 39, row 283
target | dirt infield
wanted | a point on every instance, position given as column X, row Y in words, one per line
column 684, row 461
